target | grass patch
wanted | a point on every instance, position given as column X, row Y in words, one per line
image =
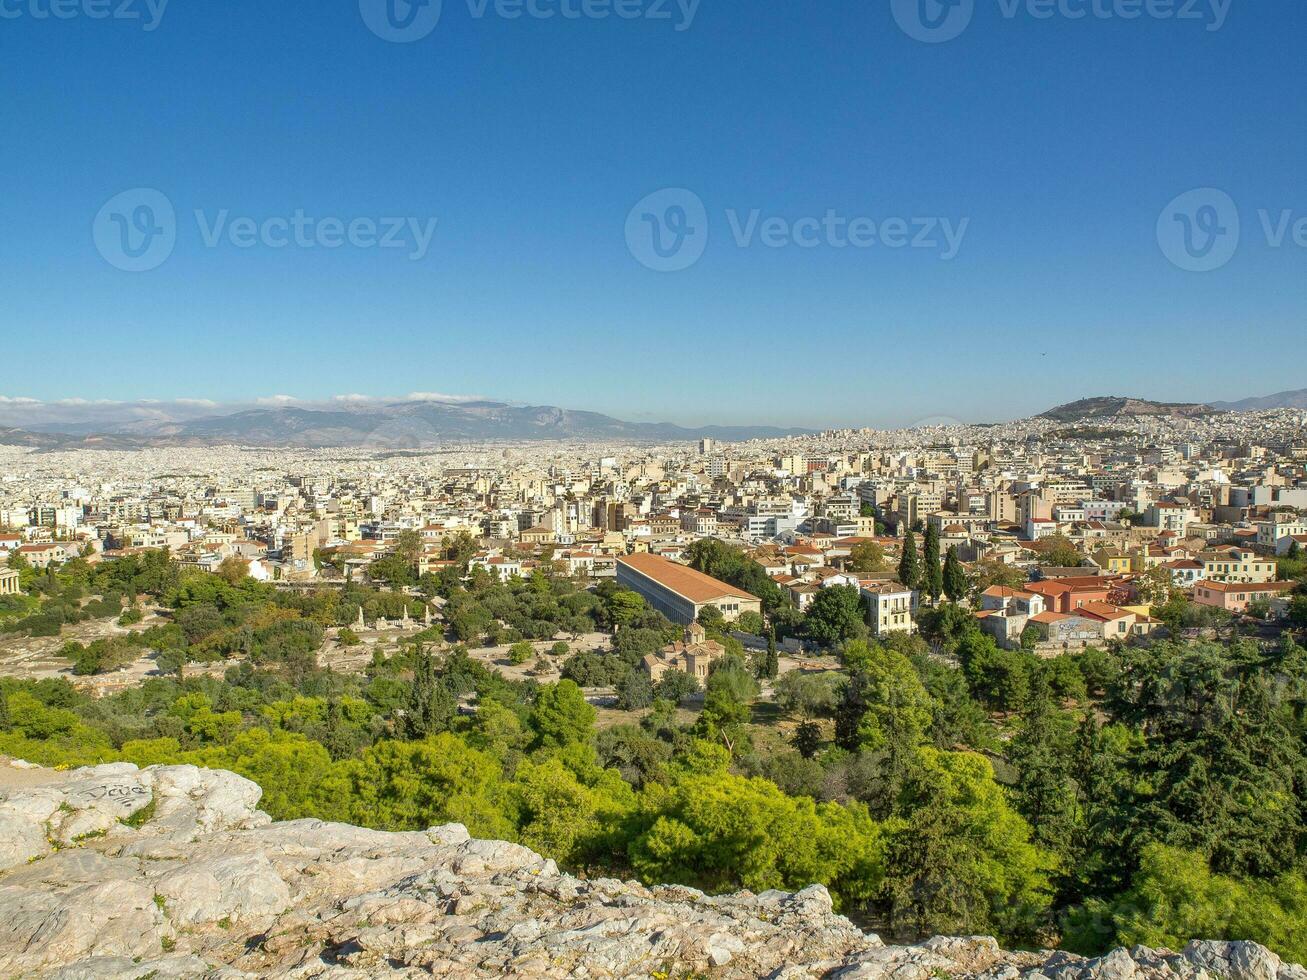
column 141, row 817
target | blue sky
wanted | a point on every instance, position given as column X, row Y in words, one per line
column 1059, row 141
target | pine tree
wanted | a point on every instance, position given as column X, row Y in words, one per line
column 337, row 735
column 773, row 661
column 1041, row 754
column 807, row 739
column 909, row 571
column 5, row 722
column 932, row 574
column 955, row 579
column 430, row 708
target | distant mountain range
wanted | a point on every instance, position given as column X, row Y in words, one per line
column 1283, row 399
column 1113, row 405
column 428, row 421
column 395, row 425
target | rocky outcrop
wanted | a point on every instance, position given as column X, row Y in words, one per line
column 115, row 872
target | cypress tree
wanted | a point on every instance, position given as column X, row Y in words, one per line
column 430, row 707
column 932, row 574
column 955, row 579
column 909, row 571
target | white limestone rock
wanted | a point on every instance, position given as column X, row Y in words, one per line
column 114, row 872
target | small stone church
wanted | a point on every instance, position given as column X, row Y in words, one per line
column 694, row 654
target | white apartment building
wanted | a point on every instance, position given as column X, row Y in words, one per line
column 891, row 608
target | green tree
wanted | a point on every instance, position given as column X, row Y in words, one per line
column 722, row 832
column 866, row 558
column 773, row 658
column 1041, row 754
column 415, row 785
column 932, row 575
column 1175, row 897
column 562, row 716
column 711, row 619
column 569, row 808
column 955, row 579
column 623, row 606
column 909, row 569
column 808, row 695
column 674, row 686
column 835, row 615
column 884, row 695
column 1061, row 552
column 431, row 706
column 634, row 691
column 962, row 862
column 807, row 739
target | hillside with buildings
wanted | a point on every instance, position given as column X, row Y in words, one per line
column 1112, row 406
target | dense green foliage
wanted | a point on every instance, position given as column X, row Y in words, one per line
column 1148, row 793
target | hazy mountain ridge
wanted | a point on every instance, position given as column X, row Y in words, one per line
column 1281, row 399
column 404, row 425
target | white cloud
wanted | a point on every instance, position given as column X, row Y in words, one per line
column 435, row 396
column 272, row 400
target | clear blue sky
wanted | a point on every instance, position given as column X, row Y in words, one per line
column 530, row 140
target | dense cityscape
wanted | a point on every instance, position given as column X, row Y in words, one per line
column 967, row 677
column 653, row 490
